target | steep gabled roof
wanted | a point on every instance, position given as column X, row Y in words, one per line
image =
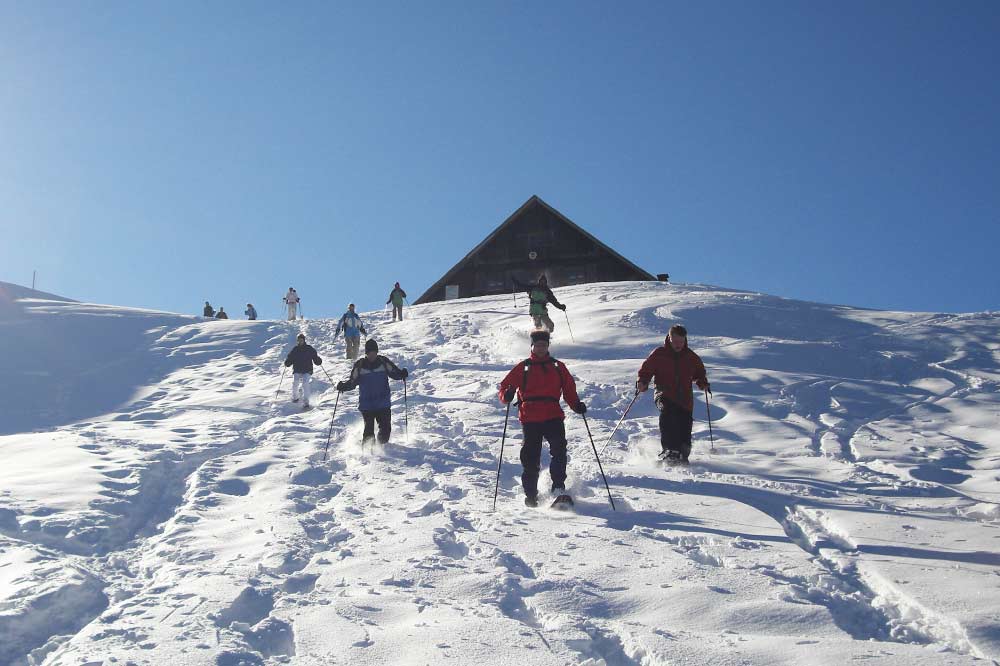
column 535, row 199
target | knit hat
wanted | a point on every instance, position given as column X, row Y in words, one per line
column 371, row 345
column 539, row 335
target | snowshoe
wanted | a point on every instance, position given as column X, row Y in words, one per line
column 672, row 458
column 563, row 503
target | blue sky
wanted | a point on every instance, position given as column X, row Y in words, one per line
column 160, row 154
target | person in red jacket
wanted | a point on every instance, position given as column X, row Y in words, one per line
column 674, row 367
column 539, row 381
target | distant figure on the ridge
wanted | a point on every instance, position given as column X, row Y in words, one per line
column 396, row 297
column 674, row 367
column 301, row 359
column 221, row 313
column 372, row 374
column 540, row 296
column 208, row 311
column 250, row 312
column 353, row 328
column 291, row 300
column 541, row 380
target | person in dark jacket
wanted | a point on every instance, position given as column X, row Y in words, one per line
column 250, row 312
column 221, row 314
column 372, row 374
column 540, row 296
column 396, row 297
column 540, row 381
column 208, row 311
column 301, row 360
column 674, row 367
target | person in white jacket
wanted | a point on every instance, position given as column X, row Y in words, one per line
column 292, row 301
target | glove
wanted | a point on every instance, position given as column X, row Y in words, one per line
column 406, row 373
column 708, row 388
column 341, row 386
column 562, row 307
column 580, row 408
column 641, row 387
column 509, row 394
column 363, row 331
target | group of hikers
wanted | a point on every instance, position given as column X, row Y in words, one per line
column 293, row 305
column 209, row 312
column 535, row 385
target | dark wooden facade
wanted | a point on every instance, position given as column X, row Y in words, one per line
column 536, row 239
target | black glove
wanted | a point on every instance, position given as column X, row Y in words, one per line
column 406, row 373
column 562, row 307
column 363, row 331
column 580, row 408
column 708, row 388
column 341, row 386
column 508, row 396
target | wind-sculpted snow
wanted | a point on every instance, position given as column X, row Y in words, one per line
column 158, row 505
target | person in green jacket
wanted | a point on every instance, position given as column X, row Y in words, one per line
column 396, row 297
column 540, row 296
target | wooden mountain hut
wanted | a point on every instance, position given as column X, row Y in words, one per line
column 535, row 239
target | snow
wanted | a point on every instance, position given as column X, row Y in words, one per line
column 159, row 505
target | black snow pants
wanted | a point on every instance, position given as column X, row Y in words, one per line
column 383, row 416
column 554, row 431
column 675, row 427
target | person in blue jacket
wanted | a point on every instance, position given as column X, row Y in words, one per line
column 353, row 328
column 372, row 374
column 250, row 312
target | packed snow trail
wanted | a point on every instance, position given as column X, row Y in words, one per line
column 197, row 522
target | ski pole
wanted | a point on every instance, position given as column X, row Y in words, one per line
column 622, row 419
column 327, row 375
column 406, row 415
column 708, row 412
column 283, row 369
column 500, row 461
column 569, row 327
column 330, row 431
column 599, row 466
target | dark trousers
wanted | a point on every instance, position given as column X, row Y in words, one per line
column 675, row 427
column 397, row 309
column 531, row 454
column 384, row 425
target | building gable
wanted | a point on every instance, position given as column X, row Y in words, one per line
column 535, row 239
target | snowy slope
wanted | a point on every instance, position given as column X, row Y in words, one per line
column 158, row 505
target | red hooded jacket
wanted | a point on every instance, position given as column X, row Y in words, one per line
column 539, row 383
column 673, row 373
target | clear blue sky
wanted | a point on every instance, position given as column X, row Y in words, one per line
column 158, row 154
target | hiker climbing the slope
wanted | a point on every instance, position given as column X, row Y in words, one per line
column 371, row 375
column 250, row 312
column 674, row 367
column 540, row 296
column 301, row 359
column 208, row 310
column 540, row 381
column 291, row 301
column 396, row 297
column 221, row 314
column 352, row 326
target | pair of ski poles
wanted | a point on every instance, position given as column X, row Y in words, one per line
column 496, row 489
column 708, row 413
